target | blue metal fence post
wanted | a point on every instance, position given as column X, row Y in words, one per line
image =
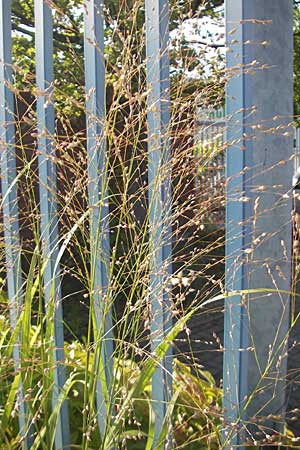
column 10, row 196
column 48, row 201
column 234, row 224
column 159, row 175
column 259, row 100
column 97, row 191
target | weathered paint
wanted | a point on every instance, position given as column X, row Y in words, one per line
column 258, row 231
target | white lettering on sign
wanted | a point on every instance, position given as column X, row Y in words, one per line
column 211, row 114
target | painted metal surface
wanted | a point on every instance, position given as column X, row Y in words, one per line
column 258, row 229
column 48, row 201
column 97, row 191
column 159, row 175
column 9, row 197
column 234, row 222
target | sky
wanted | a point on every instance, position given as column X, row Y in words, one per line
column 200, row 31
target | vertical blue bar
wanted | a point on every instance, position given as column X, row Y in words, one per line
column 48, row 206
column 9, row 193
column 260, row 323
column 97, row 190
column 234, row 218
column 159, row 174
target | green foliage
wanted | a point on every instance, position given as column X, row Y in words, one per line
column 128, row 35
column 68, row 52
column 196, row 415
